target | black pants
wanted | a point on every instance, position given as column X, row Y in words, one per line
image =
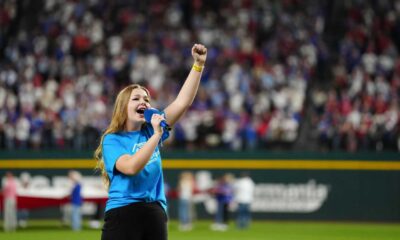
column 137, row 221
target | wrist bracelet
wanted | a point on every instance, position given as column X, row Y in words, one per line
column 197, row 68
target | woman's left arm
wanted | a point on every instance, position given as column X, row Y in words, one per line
column 189, row 89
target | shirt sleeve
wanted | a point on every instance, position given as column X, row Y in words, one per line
column 112, row 150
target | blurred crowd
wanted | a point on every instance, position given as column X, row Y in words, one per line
column 81, row 199
column 360, row 109
column 75, row 196
column 232, row 199
column 62, row 62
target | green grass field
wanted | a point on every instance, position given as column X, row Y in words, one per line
column 265, row 230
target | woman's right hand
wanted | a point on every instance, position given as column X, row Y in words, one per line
column 155, row 122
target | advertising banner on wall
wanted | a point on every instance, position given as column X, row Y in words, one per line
column 312, row 195
column 304, row 197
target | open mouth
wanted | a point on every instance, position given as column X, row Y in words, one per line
column 141, row 109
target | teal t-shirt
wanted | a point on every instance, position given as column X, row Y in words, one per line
column 145, row 186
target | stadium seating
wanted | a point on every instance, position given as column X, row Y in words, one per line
column 62, row 64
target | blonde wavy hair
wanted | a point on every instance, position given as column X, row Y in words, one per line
column 118, row 120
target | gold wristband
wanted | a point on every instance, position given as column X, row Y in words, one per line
column 197, row 68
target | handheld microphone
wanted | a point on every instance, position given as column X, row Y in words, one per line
column 148, row 113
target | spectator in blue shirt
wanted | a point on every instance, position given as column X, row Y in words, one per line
column 76, row 200
column 224, row 195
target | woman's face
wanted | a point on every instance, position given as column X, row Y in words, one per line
column 138, row 102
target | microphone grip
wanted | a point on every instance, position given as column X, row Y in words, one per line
column 165, row 125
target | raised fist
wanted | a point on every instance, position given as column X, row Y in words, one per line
column 199, row 53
